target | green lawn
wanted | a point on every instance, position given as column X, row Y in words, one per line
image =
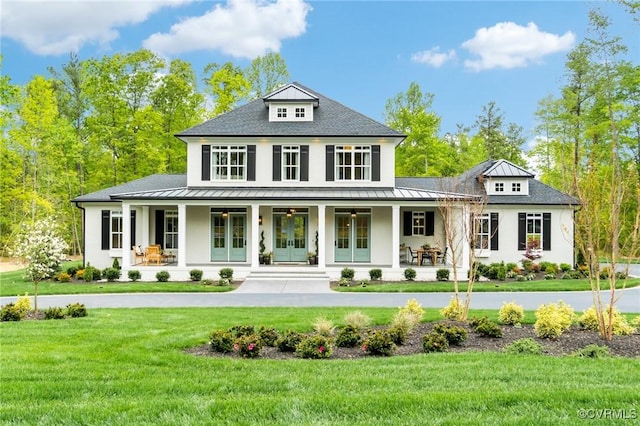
column 126, row 366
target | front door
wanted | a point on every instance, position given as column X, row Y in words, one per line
column 290, row 238
column 228, row 237
column 353, row 239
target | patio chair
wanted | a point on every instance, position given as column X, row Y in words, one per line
column 413, row 255
column 442, row 256
column 138, row 255
column 154, row 255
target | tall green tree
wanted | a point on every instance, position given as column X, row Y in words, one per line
column 500, row 144
column 266, row 73
column 228, row 86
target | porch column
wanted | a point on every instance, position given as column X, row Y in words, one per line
column 144, row 224
column 182, row 235
column 322, row 248
column 255, row 235
column 126, row 236
column 395, row 236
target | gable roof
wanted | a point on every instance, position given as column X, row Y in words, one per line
column 504, row 168
column 291, row 93
column 331, row 118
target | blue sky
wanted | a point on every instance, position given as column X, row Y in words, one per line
column 360, row 53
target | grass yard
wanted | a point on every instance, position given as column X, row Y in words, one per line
column 127, row 366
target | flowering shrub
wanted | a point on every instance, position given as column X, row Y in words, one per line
column 533, row 250
column 348, row 337
column 453, row 310
column 434, row 342
column 242, row 330
column 523, row 346
column 553, row 319
column 454, row 334
column 248, row 346
column 510, row 313
column 589, row 321
column 289, row 340
column 221, row 341
column 315, row 347
column 379, row 343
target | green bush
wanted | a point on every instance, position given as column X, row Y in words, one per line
column 221, row 341
column 315, row 347
column 289, row 340
column 207, row 282
column 442, row 274
column 486, row 328
column 413, row 307
column 195, row 274
column 23, row 305
column 269, row 335
column 222, row 282
column 592, row 351
column 248, row 346
column 63, row 277
column 54, row 312
column 553, row 319
column 90, row 273
column 163, row 276
column 134, row 275
column 434, row 342
column 454, row 334
column 589, row 321
column 242, row 330
column 511, row 266
column 375, row 274
column 379, row 343
column 523, row 346
column 399, row 335
column 343, row 282
column 10, row 312
column 565, row 267
column 76, row 310
column 550, row 276
column 72, row 271
column 510, row 313
column 453, row 310
column 347, row 273
column 112, row 274
column 348, row 337
column 226, row 273
column 410, row 274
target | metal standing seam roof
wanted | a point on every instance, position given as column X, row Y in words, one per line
column 504, row 168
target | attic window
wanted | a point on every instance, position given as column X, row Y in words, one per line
column 300, row 112
column 516, row 187
column 499, row 187
column 281, row 112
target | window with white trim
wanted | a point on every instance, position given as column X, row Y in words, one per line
column 291, row 163
column 482, row 231
column 281, row 112
column 516, row 187
column 534, row 230
column 353, row 162
column 499, row 187
column 116, row 229
column 171, row 229
column 300, row 112
column 418, row 223
column 228, row 162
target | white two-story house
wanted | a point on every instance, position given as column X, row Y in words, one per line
column 301, row 174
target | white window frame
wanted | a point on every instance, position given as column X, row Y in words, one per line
column 229, row 162
column 171, row 229
column 300, row 112
column 482, row 231
column 499, row 187
column 516, row 187
column 353, row 163
column 281, row 112
column 115, row 230
column 418, row 223
column 534, row 232
column 290, row 163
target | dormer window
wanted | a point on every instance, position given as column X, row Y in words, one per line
column 300, row 112
column 516, row 187
column 499, row 187
column 281, row 112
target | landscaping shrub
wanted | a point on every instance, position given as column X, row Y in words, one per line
column 269, row 335
column 80, row 274
column 636, row 323
column 363, row 283
column 221, row 341
column 226, row 273
column 405, row 320
column 72, row 271
column 324, row 327
column 163, row 276
column 347, row 273
column 90, row 273
column 511, row 266
column 134, row 275
column 112, row 274
column 497, row 271
column 53, row 312
column 348, row 337
column 553, row 319
column 442, row 274
column 592, row 351
column 510, row 313
column 410, row 274
column 434, row 342
column 413, row 307
column 379, row 343
column 454, row 334
column 207, row 282
column 289, row 340
column 523, row 346
column 550, row 276
column 76, row 310
column 115, row 264
column 453, row 310
column 224, row 282
column 242, row 330
column 23, row 305
column 314, row 347
column 343, row 282
column 63, row 277
column 248, row 346
column 9, row 312
column 589, row 321
column 357, row 320
column 399, row 335
column 375, row 274
column 485, row 327
column 195, row 274
column 565, row 267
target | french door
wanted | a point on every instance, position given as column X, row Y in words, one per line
column 228, row 237
column 353, row 238
column 290, row 238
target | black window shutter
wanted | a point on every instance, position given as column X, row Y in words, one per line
column 277, row 163
column 429, row 223
column 160, row 227
column 494, row 231
column 304, row 163
column 546, row 231
column 251, row 162
column 330, row 165
column 375, row 163
column 206, row 162
column 407, row 226
column 522, row 231
column 133, row 228
column 106, row 229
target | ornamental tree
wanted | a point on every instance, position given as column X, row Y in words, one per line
column 42, row 249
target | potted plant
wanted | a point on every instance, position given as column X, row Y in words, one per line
column 313, row 258
column 266, row 257
column 262, row 248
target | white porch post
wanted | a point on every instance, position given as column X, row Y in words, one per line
column 255, row 235
column 395, row 232
column 322, row 249
column 126, row 236
column 144, row 223
column 182, row 235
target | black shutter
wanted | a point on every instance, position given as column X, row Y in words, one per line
column 494, row 231
column 277, row 163
column 522, row 231
column 429, row 223
column 160, row 227
column 206, row 162
column 251, row 162
column 133, row 228
column 106, row 229
column 330, row 166
column 304, row 163
column 546, row 231
column 407, row 226
column 375, row 163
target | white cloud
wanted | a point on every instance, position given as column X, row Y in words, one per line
column 241, row 28
column 433, row 57
column 58, row 27
column 509, row 45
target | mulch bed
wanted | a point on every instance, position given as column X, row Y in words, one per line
column 570, row 341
